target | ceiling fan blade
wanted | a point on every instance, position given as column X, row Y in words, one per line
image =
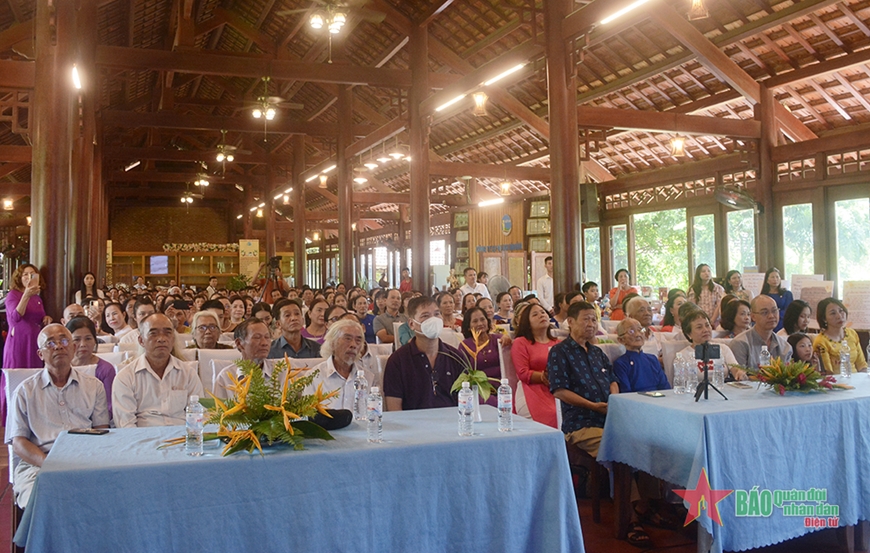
column 244, row 152
column 291, row 105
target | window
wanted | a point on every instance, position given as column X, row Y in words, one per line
column 618, row 249
column 741, row 239
column 853, row 251
column 660, row 248
column 437, row 252
column 797, row 238
column 704, row 241
column 592, row 255
column 159, row 265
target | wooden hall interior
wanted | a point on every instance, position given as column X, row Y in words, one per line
column 349, row 136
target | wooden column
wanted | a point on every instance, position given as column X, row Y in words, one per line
column 345, row 186
column 87, row 258
column 52, row 97
column 419, row 137
column 247, row 214
column 269, row 211
column 566, row 237
column 765, row 235
column 299, row 208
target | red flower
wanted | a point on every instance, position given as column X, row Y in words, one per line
column 781, row 390
column 802, row 378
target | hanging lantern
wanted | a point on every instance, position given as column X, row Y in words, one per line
column 698, row 11
column 678, row 146
column 480, row 99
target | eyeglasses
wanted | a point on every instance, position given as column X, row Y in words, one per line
column 768, row 312
column 208, row 328
column 334, row 319
column 54, row 344
column 632, row 332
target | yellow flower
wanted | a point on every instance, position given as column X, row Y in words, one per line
column 320, row 397
column 236, row 436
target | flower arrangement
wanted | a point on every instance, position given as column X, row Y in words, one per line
column 470, row 373
column 797, row 376
column 200, row 247
column 266, row 411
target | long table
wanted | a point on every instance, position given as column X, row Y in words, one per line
column 755, row 439
column 425, row 489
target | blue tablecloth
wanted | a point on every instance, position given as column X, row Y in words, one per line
column 756, row 438
column 425, row 489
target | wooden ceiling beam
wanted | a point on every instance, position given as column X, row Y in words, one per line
column 798, row 9
column 255, row 66
column 644, row 120
column 9, row 168
column 433, row 11
column 15, row 34
column 160, row 176
column 483, row 170
column 172, row 120
column 380, row 198
column 14, row 189
column 132, row 154
column 17, row 74
column 15, row 154
column 725, row 68
column 858, row 139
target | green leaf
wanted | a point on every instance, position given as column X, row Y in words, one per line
column 207, row 402
column 312, row 430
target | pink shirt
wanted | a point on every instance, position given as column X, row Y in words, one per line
column 528, row 357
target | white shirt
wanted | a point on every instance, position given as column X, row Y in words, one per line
column 141, row 398
column 331, row 380
column 477, row 289
column 544, row 289
column 123, row 332
column 224, row 380
column 131, row 337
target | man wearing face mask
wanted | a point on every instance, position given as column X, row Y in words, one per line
column 419, row 375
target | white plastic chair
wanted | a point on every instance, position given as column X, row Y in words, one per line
column 450, row 337
column 609, row 326
column 90, row 370
column 395, row 343
column 105, row 348
column 612, row 351
column 205, row 369
column 381, row 349
column 114, row 357
column 382, row 365
column 669, row 352
column 520, row 405
column 127, row 346
column 14, row 378
column 186, row 354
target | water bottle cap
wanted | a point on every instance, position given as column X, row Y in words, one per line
column 466, row 385
column 504, row 381
column 194, row 399
column 375, row 389
column 360, row 372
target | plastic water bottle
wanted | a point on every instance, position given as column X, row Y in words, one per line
column 194, row 421
column 718, row 373
column 845, row 360
column 374, row 413
column 764, row 357
column 466, row 410
column 692, row 376
column 360, row 395
column 505, row 407
column 679, row 374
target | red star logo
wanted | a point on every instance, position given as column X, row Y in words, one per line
column 702, row 498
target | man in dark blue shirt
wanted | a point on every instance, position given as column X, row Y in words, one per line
column 582, row 379
column 636, row 371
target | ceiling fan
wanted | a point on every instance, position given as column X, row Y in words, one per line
column 333, row 14
column 226, row 152
column 737, row 199
column 331, row 8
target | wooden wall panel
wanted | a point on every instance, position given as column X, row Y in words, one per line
column 484, row 228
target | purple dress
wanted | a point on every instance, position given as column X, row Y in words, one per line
column 487, row 361
column 105, row 373
column 19, row 351
column 318, row 339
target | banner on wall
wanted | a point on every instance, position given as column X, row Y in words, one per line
column 249, row 258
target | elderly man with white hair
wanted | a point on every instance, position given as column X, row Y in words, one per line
column 342, row 346
column 56, row 399
column 639, row 309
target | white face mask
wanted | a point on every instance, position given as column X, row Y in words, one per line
column 431, row 327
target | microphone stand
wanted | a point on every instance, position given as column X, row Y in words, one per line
column 705, row 384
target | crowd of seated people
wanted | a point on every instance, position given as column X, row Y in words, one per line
column 555, row 348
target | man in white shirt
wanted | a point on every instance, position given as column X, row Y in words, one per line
column 342, row 347
column 211, row 289
column 544, row 286
column 141, row 309
column 154, row 389
column 471, row 285
column 253, row 338
column 71, row 311
column 56, row 399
